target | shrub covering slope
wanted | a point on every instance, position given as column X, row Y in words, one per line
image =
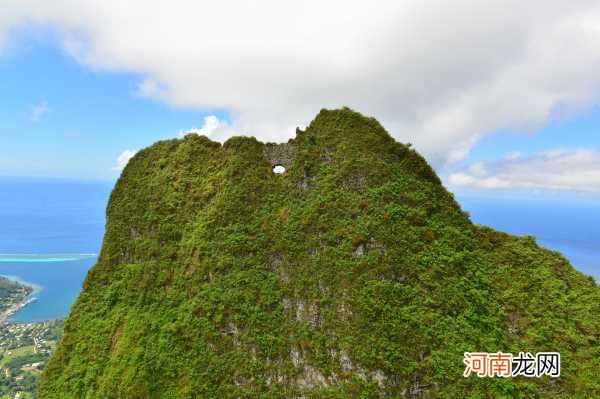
column 353, row 274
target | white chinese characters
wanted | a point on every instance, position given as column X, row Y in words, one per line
column 507, row 365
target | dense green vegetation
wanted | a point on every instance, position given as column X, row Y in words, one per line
column 354, row 274
column 15, row 376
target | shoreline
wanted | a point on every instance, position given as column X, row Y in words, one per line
column 15, row 307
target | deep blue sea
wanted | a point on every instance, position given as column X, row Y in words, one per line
column 51, row 231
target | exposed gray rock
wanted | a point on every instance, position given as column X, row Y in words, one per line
column 303, row 182
column 345, row 362
column 310, row 376
column 359, row 250
column 379, row 377
column 416, row 390
column 327, row 154
column 280, row 154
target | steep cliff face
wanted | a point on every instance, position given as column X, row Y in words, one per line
column 352, row 274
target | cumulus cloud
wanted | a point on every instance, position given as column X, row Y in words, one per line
column 123, row 159
column 439, row 76
column 577, row 170
column 39, row 110
column 213, row 128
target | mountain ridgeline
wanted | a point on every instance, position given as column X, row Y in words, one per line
column 353, row 274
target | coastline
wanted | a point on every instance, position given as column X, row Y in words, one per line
column 26, row 300
column 14, row 308
column 56, row 286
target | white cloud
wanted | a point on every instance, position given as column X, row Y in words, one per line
column 511, row 156
column 439, row 75
column 213, row 128
column 148, row 88
column 39, row 110
column 123, row 159
column 577, row 170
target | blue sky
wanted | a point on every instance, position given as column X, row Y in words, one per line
column 91, row 115
column 568, row 133
column 495, row 111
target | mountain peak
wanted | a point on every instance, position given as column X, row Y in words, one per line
column 353, row 273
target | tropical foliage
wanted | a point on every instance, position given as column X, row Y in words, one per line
column 352, row 274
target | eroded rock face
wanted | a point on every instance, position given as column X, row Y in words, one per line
column 352, row 274
column 280, row 154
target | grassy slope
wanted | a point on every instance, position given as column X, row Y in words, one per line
column 218, row 278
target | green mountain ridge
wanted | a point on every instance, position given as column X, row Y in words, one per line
column 354, row 274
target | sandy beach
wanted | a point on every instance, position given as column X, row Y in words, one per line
column 13, row 309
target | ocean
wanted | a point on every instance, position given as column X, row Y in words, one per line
column 51, row 232
column 50, row 235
